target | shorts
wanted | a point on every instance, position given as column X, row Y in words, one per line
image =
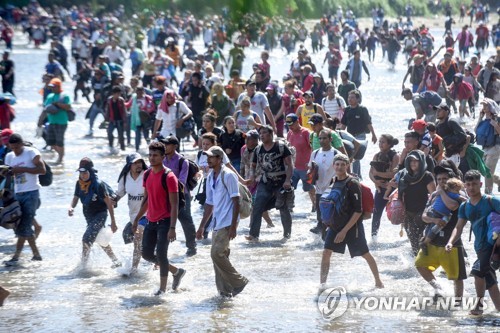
column 452, row 262
column 55, row 135
column 29, row 202
column 482, row 269
column 332, row 71
column 355, row 241
column 301, row 175
column 94, row 224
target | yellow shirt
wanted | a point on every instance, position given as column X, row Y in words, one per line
column 305, row 115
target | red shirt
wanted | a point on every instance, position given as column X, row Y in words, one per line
column 300, row 140
column 157, row 196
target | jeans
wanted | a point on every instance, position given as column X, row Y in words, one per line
column 29, row 202
column 265, row 199
column 378, row 209
column 138, row 131
column 236, row 163
column 118, row 124
column 356, row 166
column 94, row 224
column 186, row 220
column 156, row 237
column 93, row 113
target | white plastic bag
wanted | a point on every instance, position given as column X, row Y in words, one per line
column 104, row 236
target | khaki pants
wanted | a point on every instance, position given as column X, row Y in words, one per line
column 226, row 276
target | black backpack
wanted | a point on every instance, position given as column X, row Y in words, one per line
column 46, row 180
column 180, row 187
column 191, row 181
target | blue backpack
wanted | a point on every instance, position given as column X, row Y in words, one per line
column 332, row 204
column 485, row 134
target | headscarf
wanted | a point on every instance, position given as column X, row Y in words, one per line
column 89, row 188
column 406, row 175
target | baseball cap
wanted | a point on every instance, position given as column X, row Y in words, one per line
column 55, row 82
column 441, row 169
column 308, row 93
column 291, row 118
column 134, row 157
column 253, row 134
column 271, row 87
column 15, row 138
column 317, row 75
column 443, row 106
column 419, row 124
column 250, row 82
column 170, row 140
column 86, row 164
column 315, row 119
column 214, row 151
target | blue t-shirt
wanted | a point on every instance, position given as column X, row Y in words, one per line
column 439, row 205
column 477, row 215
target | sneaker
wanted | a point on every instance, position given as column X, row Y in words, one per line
column 238, row 290
column 316, row 230
column 177, row 278
column 251, row 238
column 89, row 134
column 37, row 258
column 224, row 294
column 374, row 239
column 159, row 293
column 116, row 264
column 11, row 262
column 284, row 240
column 191, row 251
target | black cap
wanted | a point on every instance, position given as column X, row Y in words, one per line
column 250, row 82
column 16, row 138
column 170, row 140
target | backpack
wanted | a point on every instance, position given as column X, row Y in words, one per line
column 493, row 223
column 333, row 204
column 245, row 198
column 110, row 192
column 11, row 213
column 187, row 126
column 395, row 209
column 46, row 180
column 367, row 201
column 485, row 134
column 283, row 142
column 193, row 170
column 432, row 97
column 180, row 187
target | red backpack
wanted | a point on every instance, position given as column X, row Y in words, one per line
column 367, row 201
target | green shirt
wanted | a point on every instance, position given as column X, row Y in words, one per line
column 336, row 141
column 61, row 117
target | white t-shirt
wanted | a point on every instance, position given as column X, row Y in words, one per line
column 170, row 119
column 24, row 182
column 135, row 192
column 257, row 104
column 116, row 55
column 324, row 160
column 332, row 106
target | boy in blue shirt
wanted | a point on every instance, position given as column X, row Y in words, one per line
column 476, row 210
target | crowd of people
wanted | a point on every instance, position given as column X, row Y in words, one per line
column 267, row 135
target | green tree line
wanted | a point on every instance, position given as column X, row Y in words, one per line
column 268, row 8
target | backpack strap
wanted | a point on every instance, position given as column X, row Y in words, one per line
column 338, row 102
column 311, row 137
column 316, row 152
column 177, row 108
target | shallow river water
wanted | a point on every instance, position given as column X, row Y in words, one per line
column 56, row 296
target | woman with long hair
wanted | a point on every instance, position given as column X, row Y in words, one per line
column 383, row 168
column 231, row 141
